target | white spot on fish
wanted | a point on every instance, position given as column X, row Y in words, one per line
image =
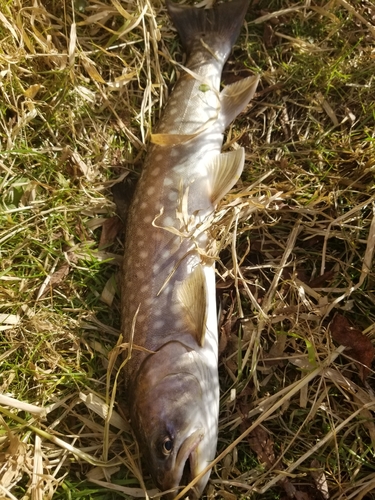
column 144, row 288
column 168, row 221
column 157, row 236
column 143, row 205
column 147, row 219
column 172, row 196
column 179, row 170
column 150, row 190
column 159, row 323
column 143, row 254
column 159, row 157
column 168, row 181
column 175, row 308
column 156, row 268
column 148, row 302
column 140, row 275
column 173, row 111
column 141, row 318
column 166, row 254
column 156, row 171
column 173, row 153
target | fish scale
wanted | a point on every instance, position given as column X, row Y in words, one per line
column 168, row 287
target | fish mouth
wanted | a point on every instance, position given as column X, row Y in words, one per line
column 187, row 462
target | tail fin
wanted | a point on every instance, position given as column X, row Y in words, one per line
column 223, row 22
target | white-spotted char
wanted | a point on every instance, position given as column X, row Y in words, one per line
column 168, row 291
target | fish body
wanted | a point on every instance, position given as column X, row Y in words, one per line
column 168, row 291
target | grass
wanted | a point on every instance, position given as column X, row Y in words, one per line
column 82, row 85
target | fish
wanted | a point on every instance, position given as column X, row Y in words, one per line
column 168, row 299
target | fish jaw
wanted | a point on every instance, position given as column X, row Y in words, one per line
column 190, row 462
column 186, row 467
column 174, row 406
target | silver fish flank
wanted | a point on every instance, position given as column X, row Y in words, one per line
column 168, row 291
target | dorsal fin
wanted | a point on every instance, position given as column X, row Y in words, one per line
column 235, row 97
column 192, row 294
column 223, row 173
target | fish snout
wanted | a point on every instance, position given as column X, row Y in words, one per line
column 187, row 467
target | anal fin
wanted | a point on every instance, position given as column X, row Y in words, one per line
column 235, row 97
column 192, row 294
column 223, row 172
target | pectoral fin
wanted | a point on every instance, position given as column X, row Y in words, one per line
column 223, row 172
column 235, row 97
column 192, row 294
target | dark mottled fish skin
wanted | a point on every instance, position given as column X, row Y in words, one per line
column 168, row 291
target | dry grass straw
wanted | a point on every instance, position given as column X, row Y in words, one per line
column 82, row 85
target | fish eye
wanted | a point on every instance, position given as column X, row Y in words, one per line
column 167, row 446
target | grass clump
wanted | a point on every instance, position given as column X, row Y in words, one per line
column 82, row 86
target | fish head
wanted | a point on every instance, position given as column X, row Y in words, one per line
column 173, row 418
